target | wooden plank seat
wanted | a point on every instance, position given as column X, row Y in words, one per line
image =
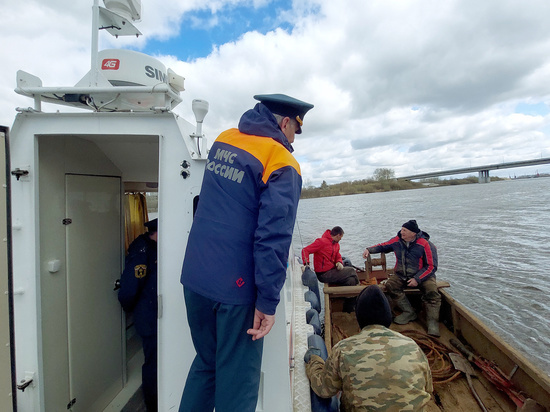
column 349, row 291
column 375, row 272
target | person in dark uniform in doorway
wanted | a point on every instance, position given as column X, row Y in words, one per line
column 138, row 294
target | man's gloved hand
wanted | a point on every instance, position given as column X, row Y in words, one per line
column 311, row 351
column 339, row 266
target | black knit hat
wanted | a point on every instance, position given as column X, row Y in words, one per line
column 372, row 308
column 412, row 226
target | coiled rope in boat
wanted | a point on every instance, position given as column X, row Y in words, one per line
column 437, row 353
column 441, row 366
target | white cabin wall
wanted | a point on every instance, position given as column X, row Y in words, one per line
column 275, row 393
column 176, row 196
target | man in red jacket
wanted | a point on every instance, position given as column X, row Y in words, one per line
column 327, row 260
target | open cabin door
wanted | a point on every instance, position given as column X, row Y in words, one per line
column 6, row 395
column 93, row 245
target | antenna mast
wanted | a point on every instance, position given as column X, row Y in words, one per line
column 95, row 34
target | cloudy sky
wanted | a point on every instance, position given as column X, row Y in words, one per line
column 414, row 86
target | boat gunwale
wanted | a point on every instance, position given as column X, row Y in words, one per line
column 513, row 354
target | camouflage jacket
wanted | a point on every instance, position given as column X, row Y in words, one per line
column 376, row 370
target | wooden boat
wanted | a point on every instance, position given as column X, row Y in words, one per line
column 503, row 379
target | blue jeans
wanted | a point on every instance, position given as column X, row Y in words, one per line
column 225, row 373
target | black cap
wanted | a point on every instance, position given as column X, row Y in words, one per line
column 152, row 225
column 286, row 106
column 372, row 308
column 412, row 226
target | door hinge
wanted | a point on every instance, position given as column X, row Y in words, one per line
column 25, row 383
column 67, row 221
column 18, row 173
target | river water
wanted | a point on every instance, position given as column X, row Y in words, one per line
column 493, row 243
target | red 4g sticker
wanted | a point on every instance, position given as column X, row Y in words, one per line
column 110, row 64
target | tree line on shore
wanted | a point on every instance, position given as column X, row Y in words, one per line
column 383, row 180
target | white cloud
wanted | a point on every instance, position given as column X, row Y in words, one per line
column 411, row 85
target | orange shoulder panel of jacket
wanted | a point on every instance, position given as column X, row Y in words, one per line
column 272, row 154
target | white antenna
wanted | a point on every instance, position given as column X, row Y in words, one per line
column 200, row 109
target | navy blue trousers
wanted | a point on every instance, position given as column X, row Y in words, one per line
column 225, row 373
column 149, row 372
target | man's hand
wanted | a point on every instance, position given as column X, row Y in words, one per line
column 262, row 325
column 339, row 266
column 412, row 283
column 366, row 254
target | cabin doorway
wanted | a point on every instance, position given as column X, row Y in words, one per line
column 81, row 254
column 93, row 205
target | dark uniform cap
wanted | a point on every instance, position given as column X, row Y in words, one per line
column 286, row 106
column 152, row 225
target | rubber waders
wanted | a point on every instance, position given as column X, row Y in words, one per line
column 408, row 312
column 432, row 318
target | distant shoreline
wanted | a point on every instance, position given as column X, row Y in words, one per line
column 387, row 185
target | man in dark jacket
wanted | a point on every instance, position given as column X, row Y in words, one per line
column 138, row 294
column 416, row 264
column 236, row 256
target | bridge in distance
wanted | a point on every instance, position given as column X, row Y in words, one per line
column 483, row 171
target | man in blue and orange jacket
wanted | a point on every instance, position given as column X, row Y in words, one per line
column 236, row 257
column 415, row 266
